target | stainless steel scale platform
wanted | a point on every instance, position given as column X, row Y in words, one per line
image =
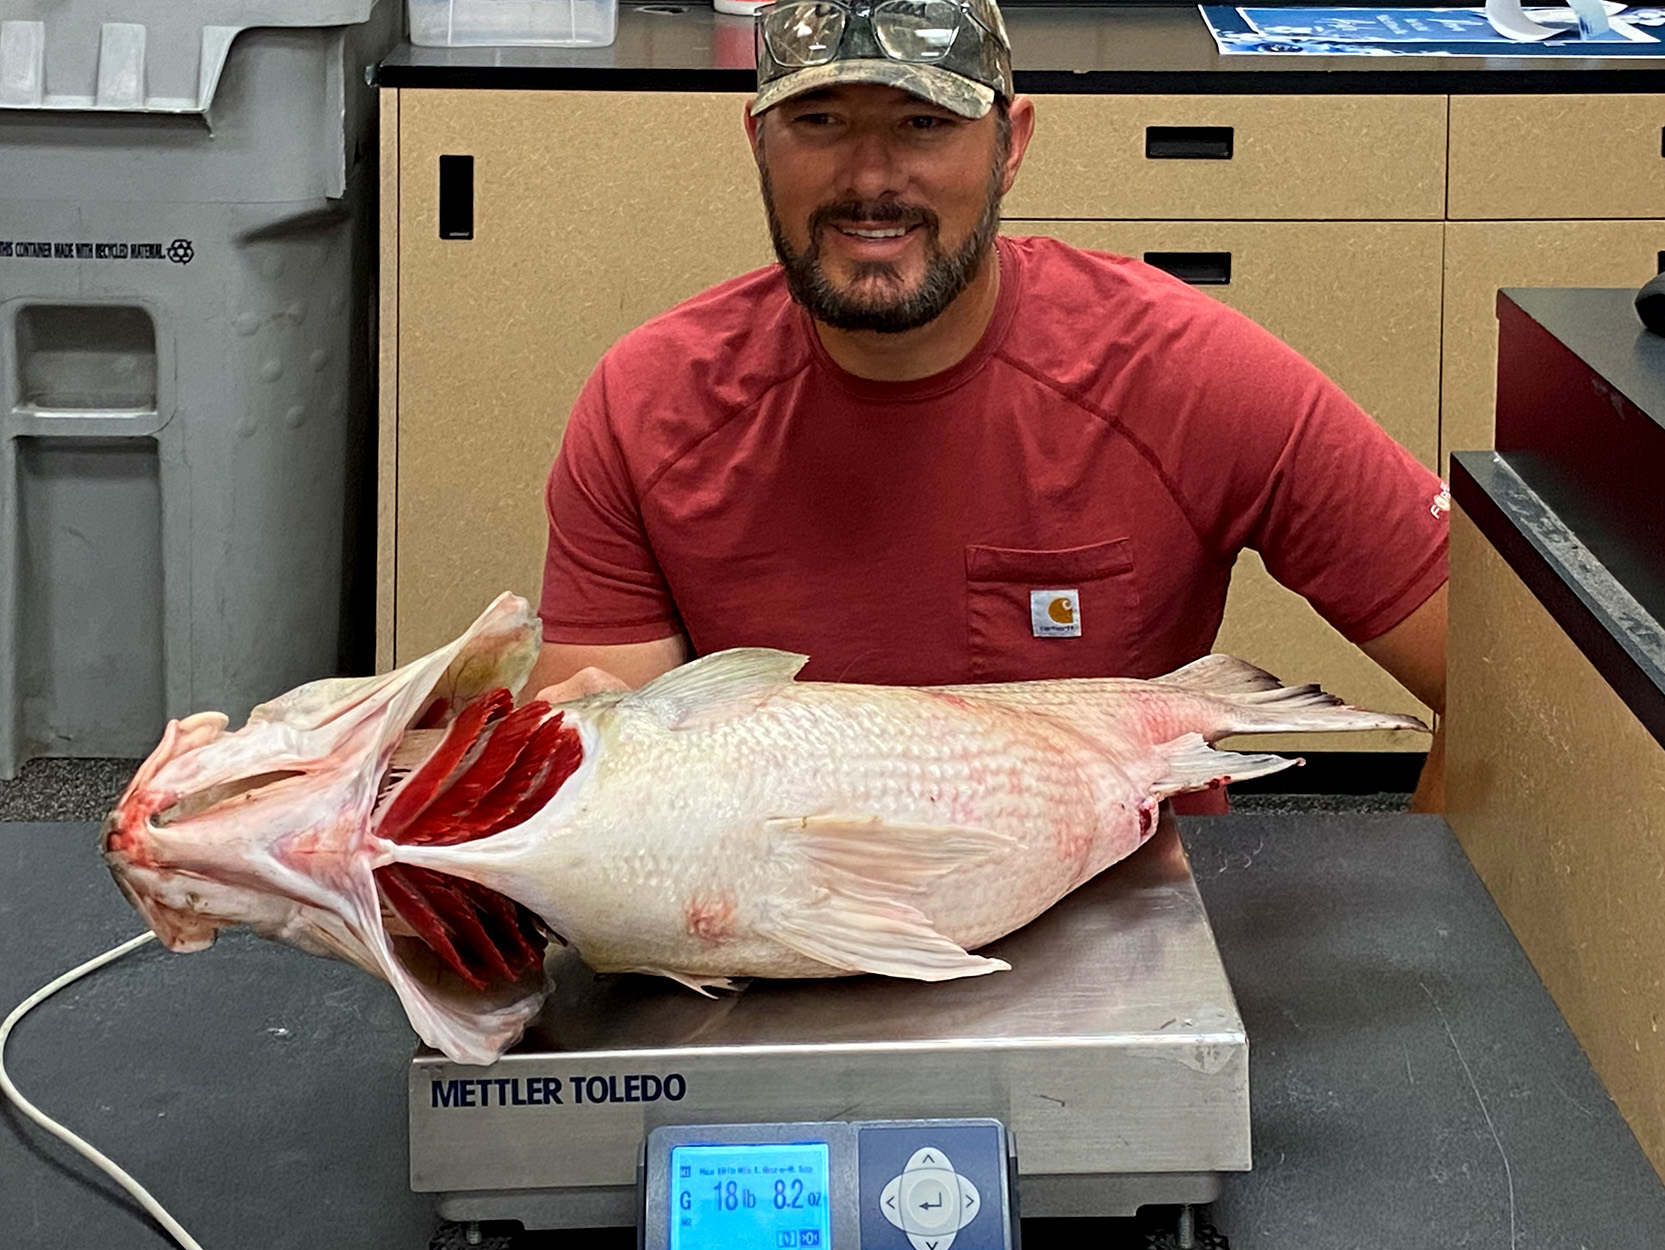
column 1113, row 1050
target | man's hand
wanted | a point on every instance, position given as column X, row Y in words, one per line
column 564, row 671
column 585, row 681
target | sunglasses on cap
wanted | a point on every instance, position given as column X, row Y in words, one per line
column 965, row 38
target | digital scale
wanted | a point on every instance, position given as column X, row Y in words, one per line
column 1110, row 1063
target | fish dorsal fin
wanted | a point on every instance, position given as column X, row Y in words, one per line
column 1221, row 675
column 715, row 687
column 860, row 918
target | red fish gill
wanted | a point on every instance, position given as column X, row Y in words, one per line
column 496, row 766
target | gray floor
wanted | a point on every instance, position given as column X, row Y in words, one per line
column 82, row 790
column 74, row 790
column 1386, row 802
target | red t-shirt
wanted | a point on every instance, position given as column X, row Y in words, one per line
column 1115, row 435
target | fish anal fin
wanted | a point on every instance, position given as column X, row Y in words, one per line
column 715, row 687
column 862, row 934
column 1191, row 764
column 699, row 984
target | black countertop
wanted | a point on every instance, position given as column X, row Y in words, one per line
column 1594, row 606
column 687, row 46
column 1599, row 325
column 1411, row 1083
column 1571, row 496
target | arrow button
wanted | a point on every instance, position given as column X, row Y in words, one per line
column 928, row 1157
column 887, row 1202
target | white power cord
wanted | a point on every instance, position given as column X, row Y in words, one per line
column 88, row 1151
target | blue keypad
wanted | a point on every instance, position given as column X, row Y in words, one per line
column 932, row 1187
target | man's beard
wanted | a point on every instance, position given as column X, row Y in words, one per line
column 889, row 310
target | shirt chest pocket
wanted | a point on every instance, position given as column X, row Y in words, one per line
column 1039, row 614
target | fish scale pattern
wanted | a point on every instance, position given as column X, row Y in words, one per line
column 728, row 810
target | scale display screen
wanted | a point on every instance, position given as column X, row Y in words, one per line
column 751, row 1196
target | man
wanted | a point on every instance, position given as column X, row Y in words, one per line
column 921, row 454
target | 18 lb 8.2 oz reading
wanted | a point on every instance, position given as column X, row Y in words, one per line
column 751, row 1196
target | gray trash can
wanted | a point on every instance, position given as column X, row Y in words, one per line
column 186, row 360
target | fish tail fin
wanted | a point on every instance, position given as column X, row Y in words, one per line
column 1258, row 702
column 1191, row 764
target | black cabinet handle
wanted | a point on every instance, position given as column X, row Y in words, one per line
column 1188, row 143
column 456, row 197
column 1197, row 268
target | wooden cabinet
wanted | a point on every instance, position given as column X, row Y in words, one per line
column 1577, row 157
column 1308, row 158
column 1536, row 733
column 576, row 241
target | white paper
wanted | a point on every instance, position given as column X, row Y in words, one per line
column 1510, row 21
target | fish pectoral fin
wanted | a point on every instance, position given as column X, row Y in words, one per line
column 699, row 984
column 866, row 934
column 865, row 867
column 889, row 855
column 715, row 687
column 1191, row 764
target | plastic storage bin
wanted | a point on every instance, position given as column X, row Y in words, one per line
column 186, row 368
column 501, row 23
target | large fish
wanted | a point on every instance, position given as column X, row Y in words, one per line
column 723, row 821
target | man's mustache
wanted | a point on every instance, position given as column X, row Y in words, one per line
column 872, row 213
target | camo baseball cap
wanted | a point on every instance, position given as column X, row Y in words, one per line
column 954, row 53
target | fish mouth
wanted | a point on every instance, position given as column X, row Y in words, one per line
column 123, row 837
column 290, row 824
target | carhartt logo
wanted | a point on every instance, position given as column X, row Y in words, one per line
column 1055, row 613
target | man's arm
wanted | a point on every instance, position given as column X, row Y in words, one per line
column 566, row 671
column 1413, row 652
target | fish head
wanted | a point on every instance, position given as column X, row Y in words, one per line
column 263, row 827
column 275, row 825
